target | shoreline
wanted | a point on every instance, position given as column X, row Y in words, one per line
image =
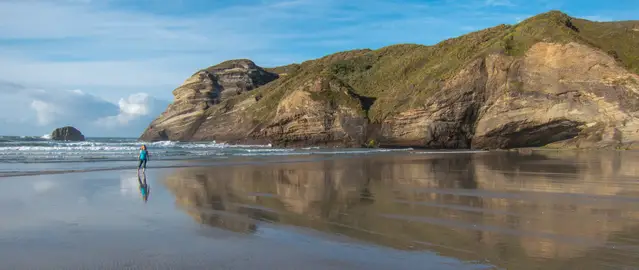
column 134, row 167
column 396, row 210
column 217, row 161
column 239, row 160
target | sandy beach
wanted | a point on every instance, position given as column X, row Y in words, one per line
column 418, row 210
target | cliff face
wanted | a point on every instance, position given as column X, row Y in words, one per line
column 205, row 89
column 555, row 92
column 550, row 81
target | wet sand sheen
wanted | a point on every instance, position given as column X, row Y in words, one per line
column 540, row 210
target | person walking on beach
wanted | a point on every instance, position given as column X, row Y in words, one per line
column 144, row 156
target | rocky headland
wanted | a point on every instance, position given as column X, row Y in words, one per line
column 551, row 80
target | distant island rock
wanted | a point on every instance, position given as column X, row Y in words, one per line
column 67, row 133
column 551, row 80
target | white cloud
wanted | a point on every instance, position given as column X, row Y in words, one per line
column 134, row 108
column 67, row 107
column 113, row 48
column 113, row 51
column 46, row 112
column 108, row 74
column 136, row 104
column 25, row 111
column 80, row 45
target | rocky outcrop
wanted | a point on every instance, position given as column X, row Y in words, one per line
column 511, row 87
column 67, row 133
column 556, row 92
column 322, row 111
column 563, row 92
column 205, row 89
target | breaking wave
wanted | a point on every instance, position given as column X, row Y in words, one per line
column 43, row 150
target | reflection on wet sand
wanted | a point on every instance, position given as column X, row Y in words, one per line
column 144, row 187
column 554, row 210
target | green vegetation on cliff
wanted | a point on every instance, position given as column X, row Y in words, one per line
column 404, row 76
column 534, row 83
column 284, row 70
column 619, row 39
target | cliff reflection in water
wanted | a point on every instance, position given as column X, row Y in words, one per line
column 556, row 210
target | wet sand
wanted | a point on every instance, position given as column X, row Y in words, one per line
column 501, row 210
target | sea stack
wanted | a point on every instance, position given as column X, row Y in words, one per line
column 67, row 133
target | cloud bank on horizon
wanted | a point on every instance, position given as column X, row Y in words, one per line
column 108, row 66
column 27, row 108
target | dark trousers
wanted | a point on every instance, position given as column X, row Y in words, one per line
column 142, row 163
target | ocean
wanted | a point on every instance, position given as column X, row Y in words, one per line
column 21, row 155
column 259, row 206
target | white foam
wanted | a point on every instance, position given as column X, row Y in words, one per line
column 274, row 150
column 245, row 145
column 451, row 152
column 163, row 144
column 63, row 148
column 273, row 154
column 26, row 150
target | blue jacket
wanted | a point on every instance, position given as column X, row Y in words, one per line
column 143, row 154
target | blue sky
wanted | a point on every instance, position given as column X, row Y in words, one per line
column 120, row 59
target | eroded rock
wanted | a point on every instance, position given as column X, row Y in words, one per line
column 204, row 89
column 555, row 94
column 67, row 133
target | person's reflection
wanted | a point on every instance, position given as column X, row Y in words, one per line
column 144, row 188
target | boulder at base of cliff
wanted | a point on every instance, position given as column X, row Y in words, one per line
column 67, row 133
